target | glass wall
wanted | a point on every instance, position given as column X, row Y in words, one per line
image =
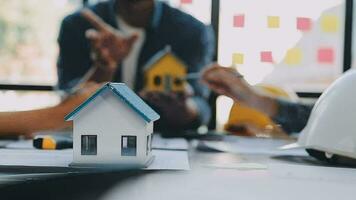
column 28, row 49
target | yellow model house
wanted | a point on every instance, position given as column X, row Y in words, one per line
column 165, row 72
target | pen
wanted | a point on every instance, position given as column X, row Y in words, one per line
column 198, row 75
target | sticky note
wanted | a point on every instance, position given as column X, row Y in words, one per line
column 266, row 56
column 273, row 22
column 293, row 56
column 239, row 21
column 238, row 58
column 330, row 23
column 186, row 1
column 304, row 24
column 326, row 55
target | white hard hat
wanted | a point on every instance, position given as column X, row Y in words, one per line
column 330, row 133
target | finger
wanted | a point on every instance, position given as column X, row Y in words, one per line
column 94, row 37
column 131, row 40
column 209, row 71
column 94, row 20
column 91, row 34
column 105, row 55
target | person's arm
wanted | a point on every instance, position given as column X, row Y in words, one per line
column 109, row 47
column 52, row 118
column 227, row 81
column 292, row 116
column 95, row 52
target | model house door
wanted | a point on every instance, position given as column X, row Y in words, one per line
column 167, row 83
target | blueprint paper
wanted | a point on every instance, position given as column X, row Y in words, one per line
column 170, row 144
column 245, row 145
column 25, row 155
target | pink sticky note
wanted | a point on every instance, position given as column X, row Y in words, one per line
column 186, row 1
column 304, row 24
column 326, row 55
column 239, row 21
column 266, row 56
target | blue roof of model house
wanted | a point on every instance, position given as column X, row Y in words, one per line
column 125, row 94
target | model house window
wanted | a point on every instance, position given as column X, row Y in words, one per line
column 157, row 80
column 151, row 139
column 89, row 143
column 178, row 81
column 128, row 145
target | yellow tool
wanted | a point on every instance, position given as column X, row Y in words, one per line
column 52, row 142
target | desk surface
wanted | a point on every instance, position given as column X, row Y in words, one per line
column 285, row 178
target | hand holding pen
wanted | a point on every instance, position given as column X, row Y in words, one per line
column 227, row 81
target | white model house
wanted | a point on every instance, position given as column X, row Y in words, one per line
column 113, row 128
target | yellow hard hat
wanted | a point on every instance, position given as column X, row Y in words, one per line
column 242, row 117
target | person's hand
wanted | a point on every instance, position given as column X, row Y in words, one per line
column 109, row 45
column 177, row 110
column 227, row 81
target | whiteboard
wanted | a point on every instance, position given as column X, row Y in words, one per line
column 291, row 43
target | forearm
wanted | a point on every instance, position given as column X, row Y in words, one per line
column 101, row 74
column 265, row 104
column 292, row 116
column 28, row 122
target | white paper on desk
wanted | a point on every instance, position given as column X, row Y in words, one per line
column 35, row 158
column 171, row 144
column 169, row 160
column 26, row 155
column 245, row 145
column 21, row 144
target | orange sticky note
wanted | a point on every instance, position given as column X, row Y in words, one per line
column 186, row 1
column 237, row 58
column 273, row 21
column 326, row 55
column 266, row 56
column 239, row 21
column 293, row 56
column 303, row 24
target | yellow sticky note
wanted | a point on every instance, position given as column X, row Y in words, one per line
column 330, row 23
column 293, row 56
column 238, row 58
column 273, row 21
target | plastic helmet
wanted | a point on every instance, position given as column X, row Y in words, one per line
column 330, row 133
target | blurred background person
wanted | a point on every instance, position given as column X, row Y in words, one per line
column 120, row 36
